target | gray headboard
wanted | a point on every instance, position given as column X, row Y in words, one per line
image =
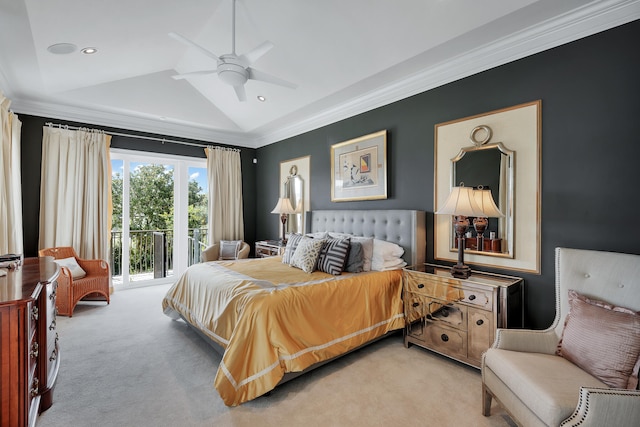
column 406, row 228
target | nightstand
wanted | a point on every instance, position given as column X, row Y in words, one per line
column 267, row 248
column 458, row 317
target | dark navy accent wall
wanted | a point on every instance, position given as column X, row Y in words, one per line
column 590, row 92
column 31, row 149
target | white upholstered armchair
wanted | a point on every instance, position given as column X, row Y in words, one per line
column 592, row 382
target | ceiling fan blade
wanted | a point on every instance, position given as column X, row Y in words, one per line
column 240, row 92
column 264, row 77
column 256, row 53
column 188, row 42
column 193, row 74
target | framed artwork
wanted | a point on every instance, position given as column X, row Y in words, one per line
column 359, row 168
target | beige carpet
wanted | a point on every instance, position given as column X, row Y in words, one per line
column 127, row 364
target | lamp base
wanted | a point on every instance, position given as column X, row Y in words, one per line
column 461, row 271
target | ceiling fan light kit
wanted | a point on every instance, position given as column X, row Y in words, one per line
column 232, row 69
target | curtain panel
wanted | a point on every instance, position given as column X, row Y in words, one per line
column 75, row 191
column 224, row 174
column 11, row 239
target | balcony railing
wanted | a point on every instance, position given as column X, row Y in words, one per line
column 144, row 255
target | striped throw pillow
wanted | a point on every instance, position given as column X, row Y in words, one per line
column 333, row 256
column 289, row 250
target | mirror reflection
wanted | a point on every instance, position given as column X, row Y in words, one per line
column 293, row 189
column 487, row 167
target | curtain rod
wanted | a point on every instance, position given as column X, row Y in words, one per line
column 150, row 138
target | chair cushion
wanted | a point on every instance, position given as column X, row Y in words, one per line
column 229, row 249
column 547, row 384
column 602, row 339
column 76, row 271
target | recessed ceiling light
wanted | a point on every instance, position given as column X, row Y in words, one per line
column 261, row 98
column 89, row 50
column 62, row 48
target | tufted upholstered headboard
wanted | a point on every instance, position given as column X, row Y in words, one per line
column 406, row 228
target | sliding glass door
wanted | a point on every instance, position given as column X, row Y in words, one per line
column 159, row 221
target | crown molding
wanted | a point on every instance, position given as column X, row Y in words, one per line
column 132, row 122
column 588, row 20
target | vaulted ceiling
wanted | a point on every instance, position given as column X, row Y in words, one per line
column 345, row 56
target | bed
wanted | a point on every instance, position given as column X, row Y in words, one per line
column 272, row 322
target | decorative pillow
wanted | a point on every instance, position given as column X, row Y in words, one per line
column 355, row 259
column 289, row 250
column 76, row 271
column 367, row 250
column 333, row 256
column 306, row 255
column 602, row 339
column 229, row 249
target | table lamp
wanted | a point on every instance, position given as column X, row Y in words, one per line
column 284, row 208
column 462, row 204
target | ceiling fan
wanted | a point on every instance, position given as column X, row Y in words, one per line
column 234, row 69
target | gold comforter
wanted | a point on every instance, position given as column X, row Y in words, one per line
column 272, row 318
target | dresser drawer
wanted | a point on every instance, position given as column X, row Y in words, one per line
column 443, row 339
column 482, row 298
column 432, row 286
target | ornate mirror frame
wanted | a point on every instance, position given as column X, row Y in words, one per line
column 295, row 175
column 518, row 128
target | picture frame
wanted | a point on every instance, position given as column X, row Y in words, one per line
column 359, row 168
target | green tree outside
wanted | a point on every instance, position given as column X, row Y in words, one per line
column 151, row 208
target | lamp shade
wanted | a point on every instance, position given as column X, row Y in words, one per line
column 461, row 201
column 283, row 206
column 484, row 199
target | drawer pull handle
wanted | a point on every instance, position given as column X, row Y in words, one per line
column 479, row 322
column 54, row 355
column 34, row 350
column 421, row 285
column 52, row 326
column 52, row 295
column 415, row 304
column 444, row 337
column 34, row 313
column 34, row 387
column 472, row 297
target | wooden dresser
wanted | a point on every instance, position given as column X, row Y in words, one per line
column 29, row 352
column 458, row 317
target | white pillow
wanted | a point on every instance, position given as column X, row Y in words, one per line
column 76, row 271
column 386, row 251
column 394, row 264
column 386, row 255
column 318, row 235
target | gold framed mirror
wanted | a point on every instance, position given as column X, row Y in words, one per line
column 513, row 143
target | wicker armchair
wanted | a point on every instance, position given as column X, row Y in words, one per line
column 70, row 290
